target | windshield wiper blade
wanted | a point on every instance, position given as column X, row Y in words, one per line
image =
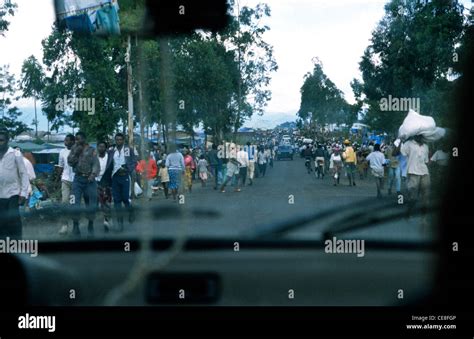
column 350, row 223
column 161, row 212
column 279, row 229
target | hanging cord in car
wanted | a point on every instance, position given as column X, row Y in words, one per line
column 143, row 264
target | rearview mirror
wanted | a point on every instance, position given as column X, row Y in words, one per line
column 141, row 17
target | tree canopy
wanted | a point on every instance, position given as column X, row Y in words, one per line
column 412, row 53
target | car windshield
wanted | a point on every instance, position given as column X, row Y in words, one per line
column 126, row 135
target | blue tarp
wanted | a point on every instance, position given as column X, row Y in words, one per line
column 44, row 168
column 108, row 21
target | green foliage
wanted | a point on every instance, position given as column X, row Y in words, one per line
column 9, row 115
column 211, row 72
column 206, row 78
column 254, row 56
column 7, row 8
column 321, row 100
column 83, row 66
column 132, row 13
column 410, row 56
column 32, row 76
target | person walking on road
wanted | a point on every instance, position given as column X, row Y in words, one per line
column 251, row 164
column 215, row 163
column 175, row 165
column 319, row 161
column 83, row 159
column 149, row 169
column 394, row 170
column 31, row 173
column 190, row 167
column 327, row 156
column 67, row 177
column 164, row 177
column 350, row 160
column 335, row 165
column 308, row 155
column 203, row 170
column 232, row 171
column 376, row 160
column 104, row 184
column 418, row 176
column 269, row 154
column 243, row 159
column 439, row 161
column 14, row 183
column 124, row 163
column 262, row 161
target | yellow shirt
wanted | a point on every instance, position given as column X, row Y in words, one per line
column 349, row 155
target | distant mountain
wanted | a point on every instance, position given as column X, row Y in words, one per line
column 270, row 120
column 288, row 124
column 267, row 121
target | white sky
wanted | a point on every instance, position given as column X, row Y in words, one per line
column 336, row 31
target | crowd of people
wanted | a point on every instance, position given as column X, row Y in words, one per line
column 403, row 166
column 107, row 177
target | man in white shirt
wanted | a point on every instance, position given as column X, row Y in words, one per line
column 31, row 174
column 104, row 183
column 67, row 176
column 124, row 162
column 439, row 166
column 231, row 173
column 243, row 159
column 262, row 161
column 14, row 183
column 30, row 170
column 441, row 158
column 377, row 163
column 252, row 153
column 418, row 176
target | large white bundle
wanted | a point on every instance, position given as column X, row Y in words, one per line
column 434, row 135
column 415, row 124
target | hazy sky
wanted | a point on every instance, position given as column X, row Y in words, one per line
column 335, row 31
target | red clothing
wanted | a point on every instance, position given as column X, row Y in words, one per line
column 189, row 162
column 149, row 166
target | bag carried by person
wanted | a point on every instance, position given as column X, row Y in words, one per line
column 434, row 135
column 138, row 189
column 415, row 124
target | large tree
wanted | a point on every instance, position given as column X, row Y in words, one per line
column 411, row 54
column 32, row 83
column 86, row 67
column 254, row 57
column 321, row 101
column 9, row 114
column 7, row 8
column 218, row 79
column 206, row 77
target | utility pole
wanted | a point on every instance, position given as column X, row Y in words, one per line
column 36, row 121
column 166, row 81
column 240, row 74
column 129, row 91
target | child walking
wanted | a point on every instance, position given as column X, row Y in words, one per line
column 164, row 177
column 202, row 169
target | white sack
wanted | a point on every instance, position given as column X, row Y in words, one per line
column 138, row 190
column 414, row 124
column 434, row 135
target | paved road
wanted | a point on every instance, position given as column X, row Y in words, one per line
column 266, row 202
